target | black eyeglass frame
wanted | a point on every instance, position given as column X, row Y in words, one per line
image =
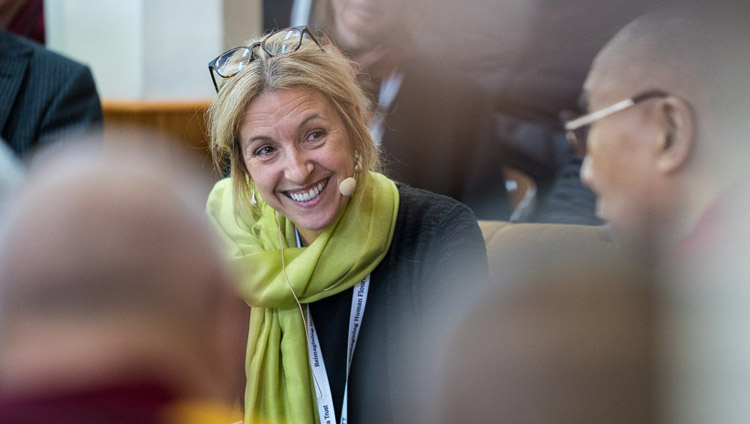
column 579, row 141
column 212, row 65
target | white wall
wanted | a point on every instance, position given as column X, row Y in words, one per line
column 148, row 49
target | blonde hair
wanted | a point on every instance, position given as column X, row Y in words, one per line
column 322, row 68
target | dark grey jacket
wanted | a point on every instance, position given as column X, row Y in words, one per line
column 43, row 95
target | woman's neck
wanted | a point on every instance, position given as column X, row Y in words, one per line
column 306, row 237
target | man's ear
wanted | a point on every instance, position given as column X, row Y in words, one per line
column 678, row 131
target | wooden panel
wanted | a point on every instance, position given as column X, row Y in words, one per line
column 165, row 122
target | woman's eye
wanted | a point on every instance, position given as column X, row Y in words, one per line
column 263, row 151
column 315, row 135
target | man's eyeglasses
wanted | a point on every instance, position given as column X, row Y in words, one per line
column 284, row 41
column 576, row 130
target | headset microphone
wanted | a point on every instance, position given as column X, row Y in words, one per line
column 348, row 186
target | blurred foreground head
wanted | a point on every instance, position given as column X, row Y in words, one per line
column 661, row 162
column 111, row 276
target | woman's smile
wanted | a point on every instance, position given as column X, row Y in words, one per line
column 308, row 194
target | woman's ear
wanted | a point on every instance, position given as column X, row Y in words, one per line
column 677, row 135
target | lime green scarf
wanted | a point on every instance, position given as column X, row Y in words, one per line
column 279, row 382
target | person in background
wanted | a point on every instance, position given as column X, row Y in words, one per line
column 43, row 96
column 434, row 127
column 345, row 271
column 24, row 18
column 665, row 145
column 116, row 304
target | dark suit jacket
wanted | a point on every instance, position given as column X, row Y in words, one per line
column 43, row 95
column 439, row 136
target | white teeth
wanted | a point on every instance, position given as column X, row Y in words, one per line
column 309, row 195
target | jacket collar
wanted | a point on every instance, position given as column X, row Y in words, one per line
column 15, row 56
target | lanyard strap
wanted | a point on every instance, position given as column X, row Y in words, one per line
column 322, row 385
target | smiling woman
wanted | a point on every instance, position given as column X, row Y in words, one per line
column 346, row 271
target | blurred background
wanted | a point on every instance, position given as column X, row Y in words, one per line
column 149, row 61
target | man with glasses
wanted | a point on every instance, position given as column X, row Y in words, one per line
column 665, row 137
column 666, row 151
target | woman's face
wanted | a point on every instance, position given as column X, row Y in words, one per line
column 298, row 151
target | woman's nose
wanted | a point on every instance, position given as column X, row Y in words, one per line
column 298, row 168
